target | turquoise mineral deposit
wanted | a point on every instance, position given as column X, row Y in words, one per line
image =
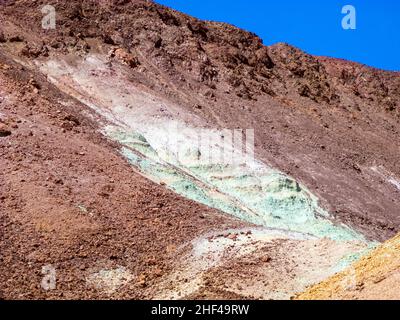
column 259, row 195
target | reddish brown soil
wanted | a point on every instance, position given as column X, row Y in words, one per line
column 52, row 164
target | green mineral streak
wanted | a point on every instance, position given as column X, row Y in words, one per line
column 82, row 208
column 263, row 196
column 351, row 258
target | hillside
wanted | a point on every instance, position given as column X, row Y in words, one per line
column 90, row 186
column 374, row 277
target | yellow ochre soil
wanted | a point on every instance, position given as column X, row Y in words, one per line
column 375, row 276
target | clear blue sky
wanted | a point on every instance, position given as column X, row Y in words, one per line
column 312, row 25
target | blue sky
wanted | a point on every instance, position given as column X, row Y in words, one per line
column 312, row 25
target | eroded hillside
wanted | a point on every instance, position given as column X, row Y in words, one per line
column 88, row 188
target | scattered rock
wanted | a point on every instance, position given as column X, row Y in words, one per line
column 158, row 43
column 34, row 51
column 5, row 131
column 265, row 259
column 232, row 236
column 126, row 57
column 16, row 38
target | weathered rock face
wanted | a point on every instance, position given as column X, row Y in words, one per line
column 330, row 125
column 206, row 54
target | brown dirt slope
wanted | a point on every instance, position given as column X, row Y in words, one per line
column 375, row 276
column 68, row 199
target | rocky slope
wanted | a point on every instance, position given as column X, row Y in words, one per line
column 84, row 187
column 374, row 277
